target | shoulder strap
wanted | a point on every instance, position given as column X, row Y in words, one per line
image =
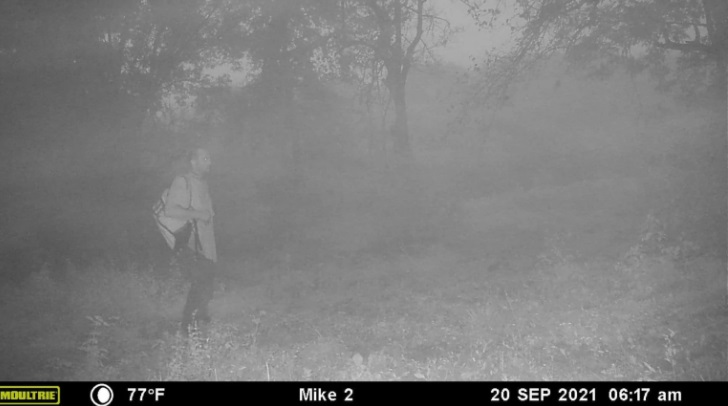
column 198, row 245
column 195, row 231
column 189, row 189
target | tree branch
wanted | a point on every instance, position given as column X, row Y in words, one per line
column 428, row 50
column 398, row 27
column 418, row 35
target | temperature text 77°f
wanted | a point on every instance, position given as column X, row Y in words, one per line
column 139, row 394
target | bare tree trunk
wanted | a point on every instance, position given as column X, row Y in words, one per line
column 400, row 130
column 397, row 78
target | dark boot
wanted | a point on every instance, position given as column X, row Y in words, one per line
column 206, row 292
column 191, row 305
column 202, row 290
column 196, row 307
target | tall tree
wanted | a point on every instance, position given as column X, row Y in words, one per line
column 380, row 41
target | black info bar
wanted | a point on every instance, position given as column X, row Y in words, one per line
column 359, row 393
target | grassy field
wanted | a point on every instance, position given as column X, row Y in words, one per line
column 580, row 281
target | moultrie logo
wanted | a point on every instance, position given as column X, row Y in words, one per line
column 30, row 395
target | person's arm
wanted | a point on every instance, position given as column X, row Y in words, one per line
column 178, row 201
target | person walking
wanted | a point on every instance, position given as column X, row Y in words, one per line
column 188, row 210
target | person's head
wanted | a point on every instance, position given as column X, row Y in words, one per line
column 199, row 159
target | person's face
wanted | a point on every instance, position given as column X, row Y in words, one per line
column 201, row 163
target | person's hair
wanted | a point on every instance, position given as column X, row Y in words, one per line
column 182, row 161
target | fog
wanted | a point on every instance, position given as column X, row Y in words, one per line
column 571, row 172
column 344, row 191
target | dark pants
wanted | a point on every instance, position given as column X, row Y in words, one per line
column 201, row 274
